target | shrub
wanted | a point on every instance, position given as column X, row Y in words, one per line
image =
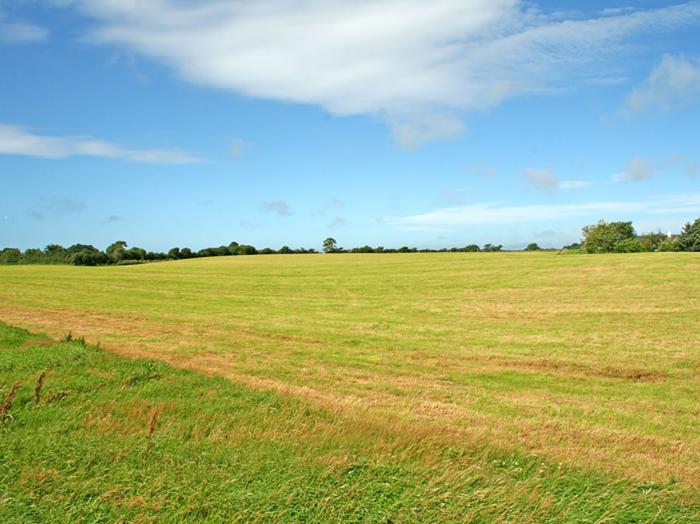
column 629, row 245
column 668, row 245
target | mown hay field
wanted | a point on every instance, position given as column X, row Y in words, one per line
column 588, row 366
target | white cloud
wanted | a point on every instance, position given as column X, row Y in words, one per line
column 574, row 184
column 545, row 179
column 403, row 62
column 15, row 140
column 542, row 178
column 674, row 83
column 494, row 213
column 637, row 170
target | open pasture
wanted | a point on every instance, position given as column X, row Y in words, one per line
column 587, row 363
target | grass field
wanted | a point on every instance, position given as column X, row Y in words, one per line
column 406, row 387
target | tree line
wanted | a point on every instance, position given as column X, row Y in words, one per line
column 620, row 237
column 603, row 237
column 119, row 253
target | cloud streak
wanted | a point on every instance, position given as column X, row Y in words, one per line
column 20, row 32
column 495, row 213
column 15, row 140
column 411, row 63
column 674, row 83
column 545, row 179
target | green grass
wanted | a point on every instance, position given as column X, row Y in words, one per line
column 224, row 453
column 585, row 363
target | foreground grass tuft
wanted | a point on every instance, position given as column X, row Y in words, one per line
column 218, row 452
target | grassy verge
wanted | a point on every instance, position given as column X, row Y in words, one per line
column 112, row 439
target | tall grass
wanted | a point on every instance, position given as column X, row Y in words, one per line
column 219, row 452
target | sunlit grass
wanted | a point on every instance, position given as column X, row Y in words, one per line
column 224, row 453
column 588, row 361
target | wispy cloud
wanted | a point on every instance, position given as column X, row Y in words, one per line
column 542, row 178
column 238, row 147
column 111, row 219
column 573, row 183
column 674, row 83
column 545, row 179
column 337, row 223
column 15, row 140
column 279, row 207
column 638, row 169
column 56, row 207
column 411, row 63
column 495, row 213
column 690, row 167
column 13, row 32
column 417, row 131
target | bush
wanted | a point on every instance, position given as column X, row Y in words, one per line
column 651, row 241
column 629, row 245
column 668, row 245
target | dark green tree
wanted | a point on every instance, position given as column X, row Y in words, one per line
column 689, row 239
column 603, row 237
column 330, row 245
column 117, row 250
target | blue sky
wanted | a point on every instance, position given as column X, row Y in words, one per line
column 380, row 122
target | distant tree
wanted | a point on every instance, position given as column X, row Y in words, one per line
column 185, row 252
column 330, row 245
column 174, row 253
column 135, row 253
column 532, row 247
column 575, row 245
column 77, row 248
column 87, row 257
column 53, row 249
column 244, row 249
column 491, row 247
column 689, row 239
column 284, row 250
column 10, row 255
column 604, row 236
column 117, row 250
column 232, row 248
column 472, row 248
column 267, row 251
